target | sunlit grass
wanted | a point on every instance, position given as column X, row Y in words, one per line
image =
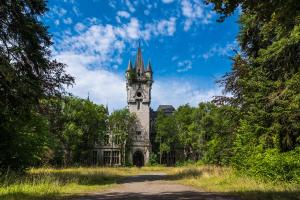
column 50, row 183
column 226, row 180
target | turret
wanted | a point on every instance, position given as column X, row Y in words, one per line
column 129, row 70
column 148, row 72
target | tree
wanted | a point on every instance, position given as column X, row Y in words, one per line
column 265, row 80
column 81, row 124
column 27, row 75
column 121, row 126
column 166, row 134
column 184, row 119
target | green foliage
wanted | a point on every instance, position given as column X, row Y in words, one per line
column 122, row 125
column 75, row 126
column 264, row 82
column 153, row 159
column 27, row 75
column 166, row 133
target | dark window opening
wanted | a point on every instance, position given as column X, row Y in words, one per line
column 106, row 157
column 138, row 159
column 138, row 105
column 115, row 157
column 138, row 94
column 138, row 132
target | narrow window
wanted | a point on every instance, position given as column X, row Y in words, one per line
column 116, row 157
column 138, row 105
column 106, row 157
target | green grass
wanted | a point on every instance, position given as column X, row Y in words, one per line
column 226, row 180
column 49, row 183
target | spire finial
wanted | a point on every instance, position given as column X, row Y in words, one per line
column 139, row 63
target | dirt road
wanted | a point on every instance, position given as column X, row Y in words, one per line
column 154, row 186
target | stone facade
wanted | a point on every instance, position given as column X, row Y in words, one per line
column 138, row 85
column 139, row 81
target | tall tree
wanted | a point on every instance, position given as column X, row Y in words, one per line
column 265, row 81
column 122, row 124
column 27, row 74
column 265, row 76
column 75, row 126
column 166, row 133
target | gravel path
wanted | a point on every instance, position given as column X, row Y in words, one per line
column 153, row 186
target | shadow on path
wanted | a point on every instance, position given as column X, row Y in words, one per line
column 186, row 195
column 157, row 186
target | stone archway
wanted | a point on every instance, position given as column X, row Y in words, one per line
column 138, row 158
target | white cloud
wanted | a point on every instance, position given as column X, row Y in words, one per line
column 194, row 13
column 68, row 20
column 76, row 10
column 79, row 27
column 184, row 66
column 102, row 85
column 167, row 1
column 123, row 14
column 107, row 42
column 167, row 27
column 130, row 6
column 133, row 29
column 163, row 27
column 106, row 87
column 58, row 11
column 218, row 50
column 179, row 92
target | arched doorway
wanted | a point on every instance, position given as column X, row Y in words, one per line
column 138, row 159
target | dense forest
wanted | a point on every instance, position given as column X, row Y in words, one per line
column 256, row 129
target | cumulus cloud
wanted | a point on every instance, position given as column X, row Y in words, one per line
column 106, row 87
column 194, row 13
column 96, row 50
column 79, row 27
column 123, row 14
column 178, row 92
column 107, row 42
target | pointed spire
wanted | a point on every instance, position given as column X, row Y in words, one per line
column 149, row 67
column 139, row 63
column 129, row 67
column 88, row 97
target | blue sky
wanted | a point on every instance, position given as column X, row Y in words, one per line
column 188, row 49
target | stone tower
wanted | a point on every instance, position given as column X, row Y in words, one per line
column 138, row 84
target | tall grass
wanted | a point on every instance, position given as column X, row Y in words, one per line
column 227, row 180
column 48, row 183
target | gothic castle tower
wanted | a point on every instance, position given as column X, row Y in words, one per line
column 138, row 84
